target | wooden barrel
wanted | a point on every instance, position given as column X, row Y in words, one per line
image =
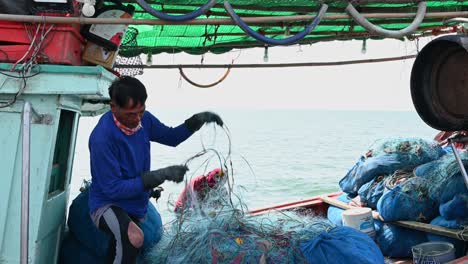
column 439, row 83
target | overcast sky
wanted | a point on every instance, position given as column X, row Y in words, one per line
column 375, row 86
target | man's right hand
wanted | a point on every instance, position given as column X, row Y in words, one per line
column 155, row 178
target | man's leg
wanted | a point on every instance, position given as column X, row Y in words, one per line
column 128, row 236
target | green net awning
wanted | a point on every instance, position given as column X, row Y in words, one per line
column 199, row 39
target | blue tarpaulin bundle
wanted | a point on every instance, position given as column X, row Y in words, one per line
column 85, row 241
column 408, row 200
column 397, row 241
column 334, row 214
column 444, row 177
column 342, row 245
column 416, row 150
column 366, row 170
column 386, row 157
column 460, row 246
column 371, row 192
column 457, row 208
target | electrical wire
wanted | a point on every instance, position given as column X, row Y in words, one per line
column 15, row 97
column 19, row 77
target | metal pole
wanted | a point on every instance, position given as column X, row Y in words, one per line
column 271, row 65
column 25, row 184
column 214, row 21
column 460, row 163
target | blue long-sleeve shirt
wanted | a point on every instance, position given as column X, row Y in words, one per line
column 118, row 160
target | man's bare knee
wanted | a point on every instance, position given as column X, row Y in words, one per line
column 135, row 235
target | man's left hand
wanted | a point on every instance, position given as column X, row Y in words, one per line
column 195, row 122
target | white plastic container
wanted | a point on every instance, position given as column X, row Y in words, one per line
column 360, row 219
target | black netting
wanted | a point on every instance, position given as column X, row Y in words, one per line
column 129, row 41
column 129, row 71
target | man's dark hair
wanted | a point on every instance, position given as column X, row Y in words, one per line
column 126, row 88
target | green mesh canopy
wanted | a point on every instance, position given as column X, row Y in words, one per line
column 199, row 39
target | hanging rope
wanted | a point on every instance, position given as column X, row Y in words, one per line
column 192, row 15
column 204, row 85
column 271, row 41
column 362, row 21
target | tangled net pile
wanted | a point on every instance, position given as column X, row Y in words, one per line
column 443, row 177
column 230, row 236
column 412, row 151
column 221, row 231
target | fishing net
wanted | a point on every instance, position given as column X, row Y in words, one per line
column 133, row 63
column 216, row 228
column 411, row 151
column 199, row 39
column 408, row 199
column 444, row 177
column 387, row 156
column 229, row 236
column 136, row 68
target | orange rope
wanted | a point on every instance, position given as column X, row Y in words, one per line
column 204, row 85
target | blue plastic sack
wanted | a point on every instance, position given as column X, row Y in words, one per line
column 408, row 201
column 342, row 245
column 73, row 252
column 152, row 228
column 457, row 208
column 371, row 192
column 83, row 228
column 367, row 169
column 395, row 241
column 455, row 186
column 334, row 214
column 453, row 224
column 97, row 241
column 444, row 177
column 414, row 151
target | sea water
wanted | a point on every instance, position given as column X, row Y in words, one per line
column 278, row 156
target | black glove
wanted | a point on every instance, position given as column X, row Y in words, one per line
column 155, row 178
column 195, row 122
column 156, row 192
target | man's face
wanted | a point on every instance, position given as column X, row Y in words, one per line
column 130, row 115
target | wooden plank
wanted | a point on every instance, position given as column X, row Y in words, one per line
column 299, row 204
column 438, row 230
column 345, row 206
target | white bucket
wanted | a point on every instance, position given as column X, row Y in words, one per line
column 360, row 219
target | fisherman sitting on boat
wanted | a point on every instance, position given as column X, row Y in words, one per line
column 196, row 191
column 120, row 164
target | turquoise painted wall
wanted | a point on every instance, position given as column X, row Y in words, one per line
column 53, row 90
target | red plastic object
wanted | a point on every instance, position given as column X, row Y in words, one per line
column 462, row 260
column 63, row 44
